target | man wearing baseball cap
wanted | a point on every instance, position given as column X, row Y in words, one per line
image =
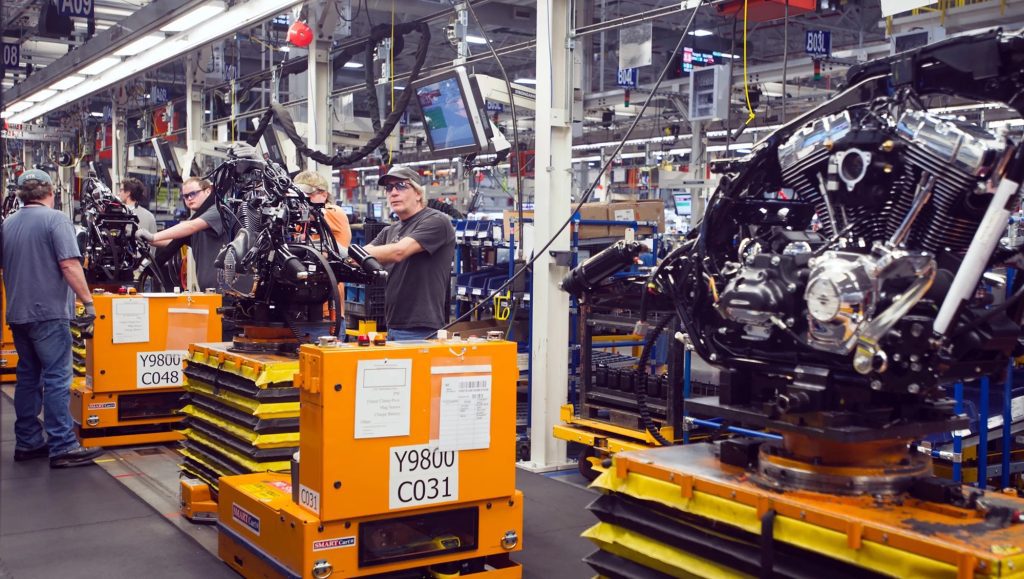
column 417, row 251
column 42, row 274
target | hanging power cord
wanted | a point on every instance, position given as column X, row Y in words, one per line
column 279, row 113
column 641, row 389
column 746, row 76
column 590, row 190
column 515, row 125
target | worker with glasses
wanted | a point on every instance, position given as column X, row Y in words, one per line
column 204, row 231
column 316, row 188
column 417, row 251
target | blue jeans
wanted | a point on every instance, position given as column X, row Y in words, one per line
column 410, row 333
column 44, row 383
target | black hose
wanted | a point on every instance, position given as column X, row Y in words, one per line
column 641, row 389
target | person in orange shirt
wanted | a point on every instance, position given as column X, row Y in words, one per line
column 315, row 186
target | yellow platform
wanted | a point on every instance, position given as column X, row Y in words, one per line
column 897, row 538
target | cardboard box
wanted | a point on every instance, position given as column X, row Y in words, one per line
column 596, row 212
column 650, row 210
column 479, row 328
column 509, row 226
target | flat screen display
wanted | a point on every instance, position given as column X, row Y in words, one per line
column 683, row 203
column 449, row 118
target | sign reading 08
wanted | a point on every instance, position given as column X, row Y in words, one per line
column 422, row 474
column 12, row 55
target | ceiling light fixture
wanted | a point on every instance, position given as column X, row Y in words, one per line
column 141, row 45
column 352, row 64
column 701, row 32
column 67, row 82
column 194, row 17
column 476, row 39
column 223, row 23
column 100, row 65
column 532, row 81
column 41, row 95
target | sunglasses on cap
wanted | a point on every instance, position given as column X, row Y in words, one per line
column 310, row 189
column 400, row 185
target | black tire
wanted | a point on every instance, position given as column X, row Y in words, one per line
column 586, row 469
column 150, row 281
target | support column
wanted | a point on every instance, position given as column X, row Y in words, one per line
column 118, row 138
column 553, row 186
column 696, row 171
column 193, row 109
column 324, row 18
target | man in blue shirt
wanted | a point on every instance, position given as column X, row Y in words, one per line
column 42, row 274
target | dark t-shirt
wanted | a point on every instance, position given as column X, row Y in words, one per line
column 36, row 240
column 418, row 287
column 206, row 245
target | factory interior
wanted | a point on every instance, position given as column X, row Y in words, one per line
column 288, row 287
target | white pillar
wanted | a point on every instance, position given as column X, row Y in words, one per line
column 318, row 88
column 697, row 164
column 553, row 184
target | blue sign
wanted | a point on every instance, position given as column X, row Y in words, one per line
column 76, row 8
column 819, row 43
column 493, row 107
column 629, row 77
column 12, row 55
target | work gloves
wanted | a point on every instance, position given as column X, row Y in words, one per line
column 144, row 235
column 243, row 150
column 85, row 320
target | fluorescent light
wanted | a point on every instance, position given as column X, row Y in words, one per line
column 353, row 64
column 96, row 114
column 194, row 17
column 220, row 25
column 67, row 82
column 112, row 11
column 475, row 39
column 40, row 95
column 701, row 32
column 100, row 65
column 19, row 106
column 141, row 45
column 532, row 81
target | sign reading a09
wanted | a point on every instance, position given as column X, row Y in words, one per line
column 76, row 8
column 12, row 55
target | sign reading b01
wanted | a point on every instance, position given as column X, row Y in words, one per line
column 818, row 42
column 628, row 77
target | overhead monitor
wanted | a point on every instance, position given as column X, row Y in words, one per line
column 377, row 210
column 348, row 210
column 167, row 158
column 683, row 203
column 272, row 147
column 451, row 115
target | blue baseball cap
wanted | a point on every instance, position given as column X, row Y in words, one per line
column 35, row 174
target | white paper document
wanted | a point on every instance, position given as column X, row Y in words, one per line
column 130, row 320
column 465, row 413
column 383, row 397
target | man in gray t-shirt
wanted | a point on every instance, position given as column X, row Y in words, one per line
column 418, row 252
column 42, row 274
column 207, row 234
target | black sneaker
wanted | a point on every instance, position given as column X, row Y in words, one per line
column 80, row 456
column 23, row 455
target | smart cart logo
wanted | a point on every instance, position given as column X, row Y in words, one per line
column 338, row 543
column 246, row 518
column 103, row 406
